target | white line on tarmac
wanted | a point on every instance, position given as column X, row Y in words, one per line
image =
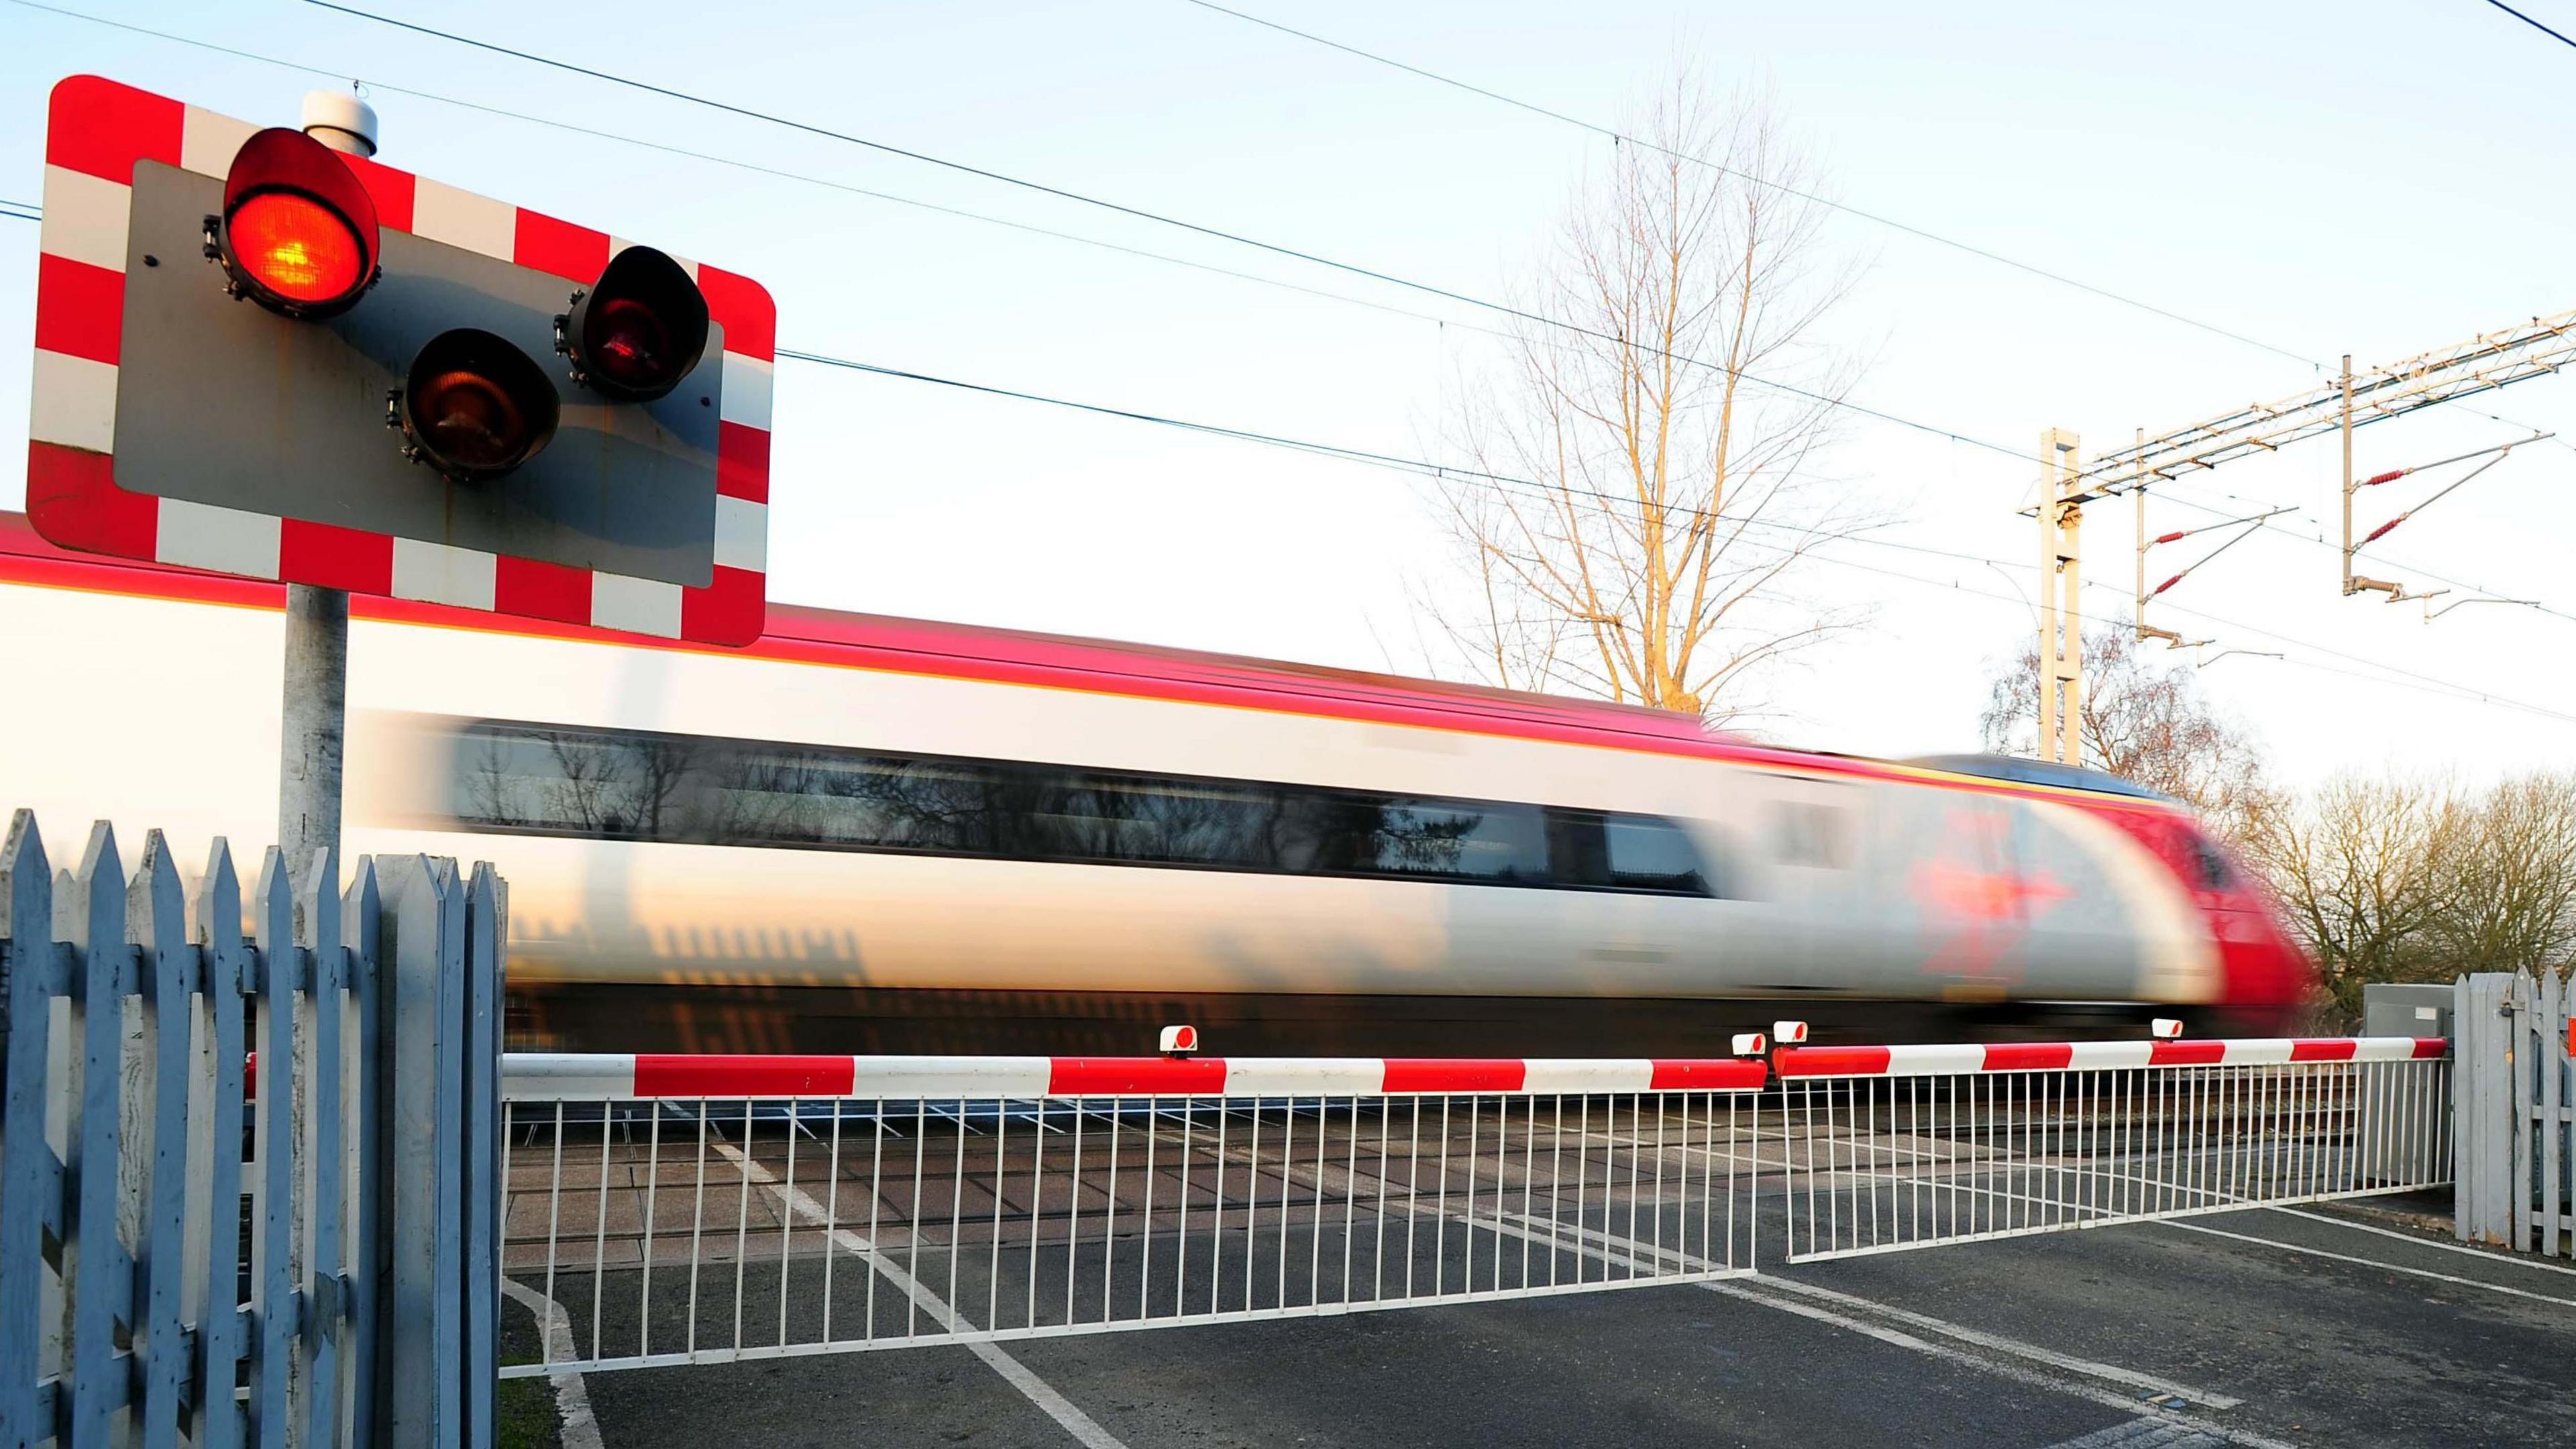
column 2483, row 1255
column 1996, row 1342
column 2109, row 1398
column 1074, row 1421
column 2144, row 1434
column 2112, row 1372
column 554, row 1330
column 2365, row 1262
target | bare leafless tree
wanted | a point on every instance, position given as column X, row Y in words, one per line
column 2144, row 721
column 2514, row 896
column 1646, row 493
column 2361, row 868
column 2398, row 879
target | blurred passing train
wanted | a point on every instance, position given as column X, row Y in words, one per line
column 873, row 834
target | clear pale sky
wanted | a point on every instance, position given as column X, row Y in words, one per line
column 2371, row 178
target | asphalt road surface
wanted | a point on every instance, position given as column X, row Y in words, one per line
column 2261, row 1327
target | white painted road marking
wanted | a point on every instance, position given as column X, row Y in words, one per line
column 1612, row 1247
column 2109, row 1398
column 1081, row 1426
column 2112, row 1373
column 2483, row 1255
column 2365, row 1262
column 554, row 1330
column 2145, row 1434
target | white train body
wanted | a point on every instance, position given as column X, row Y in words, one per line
column 150, row 697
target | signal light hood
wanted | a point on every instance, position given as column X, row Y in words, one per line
column 637, row 331
column 298, row 233
column 473, row 406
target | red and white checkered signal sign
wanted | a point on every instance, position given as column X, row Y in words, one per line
column 152, row 388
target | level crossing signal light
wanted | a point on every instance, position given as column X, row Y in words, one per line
column 383, row 385
column 473, row 406
column 298, row 231
column 298, row 235
column 636, row 332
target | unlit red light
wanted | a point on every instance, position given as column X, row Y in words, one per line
column 468, row 417
column 634, row 347
column 297, row 247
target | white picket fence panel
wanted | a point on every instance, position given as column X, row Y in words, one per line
column 142, row 1033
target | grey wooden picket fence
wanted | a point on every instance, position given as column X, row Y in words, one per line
column 248, row 1157
column 2517, row 1110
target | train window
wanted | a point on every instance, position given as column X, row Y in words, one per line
column 1647, row 853
column 1606, row 850
column 1457, row 840
column 2214, row 874
column 631, row 785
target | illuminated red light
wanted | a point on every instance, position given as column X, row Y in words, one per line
column 297, row 247
column 298, row 231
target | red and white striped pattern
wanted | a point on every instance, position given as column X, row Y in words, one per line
column 546, row 1077
column 96, row 132
column 1969, row 1058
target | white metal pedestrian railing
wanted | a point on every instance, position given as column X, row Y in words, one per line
column 696, row 1209
column 1889, row 1148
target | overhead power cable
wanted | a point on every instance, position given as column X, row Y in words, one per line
column 1627, row 139
column 23, row 211
column 1494, row 479
column 2534, row 24
column 1756, row 179
column 1163, row 219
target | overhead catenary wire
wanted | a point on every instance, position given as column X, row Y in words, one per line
column 2167, row 490
column 2461, row 691
column 751, row 167
column 2534, row 24
column 1424, row 466
column 1504, row 309
column 1626, row 138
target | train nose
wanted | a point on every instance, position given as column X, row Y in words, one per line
column 2267, row 977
